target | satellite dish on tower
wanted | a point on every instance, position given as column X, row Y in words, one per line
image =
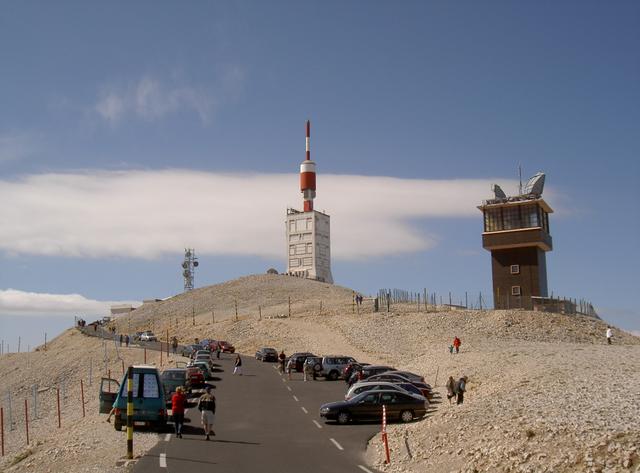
column 195, row 264
column 499, row 193
column 534, row 185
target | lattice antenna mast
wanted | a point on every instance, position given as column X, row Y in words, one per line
column 188, row 268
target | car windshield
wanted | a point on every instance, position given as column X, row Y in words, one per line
column 176, row 375
column 148, row 388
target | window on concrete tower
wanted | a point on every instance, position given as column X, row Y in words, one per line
column 515, row 290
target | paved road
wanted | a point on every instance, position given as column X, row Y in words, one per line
column 264, row 423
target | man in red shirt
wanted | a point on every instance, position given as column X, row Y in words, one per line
column 456, row 344
column 178, row 401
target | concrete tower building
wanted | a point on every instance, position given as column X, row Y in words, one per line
column 308, row 231
column 516, row 231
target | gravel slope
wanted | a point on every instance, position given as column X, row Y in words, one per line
column 545, row 392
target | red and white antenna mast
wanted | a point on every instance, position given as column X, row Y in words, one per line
column 308, row 176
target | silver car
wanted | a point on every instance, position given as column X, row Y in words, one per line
column 363, row 386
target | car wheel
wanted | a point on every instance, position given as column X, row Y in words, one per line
column 406, row 416
column 333, row 375
column 343, row 418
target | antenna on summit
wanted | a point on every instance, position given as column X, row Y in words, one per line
column 520, row 175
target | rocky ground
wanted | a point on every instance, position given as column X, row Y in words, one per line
column 545, row 392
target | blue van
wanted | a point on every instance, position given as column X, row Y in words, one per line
column 149, row 399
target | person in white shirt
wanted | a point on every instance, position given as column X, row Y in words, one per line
column 609, row 335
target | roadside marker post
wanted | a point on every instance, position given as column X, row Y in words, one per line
column 26, row 419
column 145, row 356
column 82, row 396
column 384, row 434
column 130, row 413
column 160, row 353
column 58, row 398
column 122, row 367
column 2, row 429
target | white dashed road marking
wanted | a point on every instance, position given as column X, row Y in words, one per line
column 317, row 424
column 365, row 469
column 167, row 437
column 294, row 397
column 163, row 460
column 289, row 388
column 338, row 446
column 304, row 410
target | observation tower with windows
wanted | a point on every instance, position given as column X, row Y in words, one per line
column 516, row 232
column 308, row 231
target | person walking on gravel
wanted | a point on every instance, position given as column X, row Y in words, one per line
column 207, row 408
column 609, row 334
column 461, row 387
column 456, row 344
column 451, row 389
column 237, row 366
column 178, row 400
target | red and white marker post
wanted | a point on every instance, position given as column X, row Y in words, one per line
column 385, row 440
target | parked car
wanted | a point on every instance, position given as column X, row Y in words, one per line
column 315, row 362
column 189, row 350
column 373, row 370
column 368, row 406
column 226, row 347
column 332, row 366
column 267, row 354
column 148, row 336
column 363, row 386
column 296, row 361
column 204, row 367
column 149, row 399
column 351, row 367
column 136, row 336
column 206, row 359
column 173, row 378
column 397, row 378
column 408, row 374
column 195, row 376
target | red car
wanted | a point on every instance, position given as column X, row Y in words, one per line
column 226, row 347
column 195, row 376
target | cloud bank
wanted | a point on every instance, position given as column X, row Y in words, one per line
column 147, row 214
column 14, row 302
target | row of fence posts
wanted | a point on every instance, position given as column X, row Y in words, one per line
column 61, row 396
column 5, row 348
column 387, row 297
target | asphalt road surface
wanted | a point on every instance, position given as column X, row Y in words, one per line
column 264, row 423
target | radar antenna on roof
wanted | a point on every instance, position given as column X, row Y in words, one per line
column 499, row 193
column 534, row 185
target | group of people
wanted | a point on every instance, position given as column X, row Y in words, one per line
column 455, row 346
column 124, row 339
column 206, row 406
column 456, row 389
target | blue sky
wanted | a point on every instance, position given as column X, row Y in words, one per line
column 131, row 130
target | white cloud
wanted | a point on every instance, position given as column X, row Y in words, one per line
column 151, row 99
column 17, row 145
column 15, row 302
column 145, row 214
column 110, row 106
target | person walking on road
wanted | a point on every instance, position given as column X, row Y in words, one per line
column 282, row 357
column 174, row 345
column 609, row 334
column 456, row 344
column 461, row 387
column 307, row 370
column 121, row 339
column 178, row 401
column 218, row 349
column 207, row 408
column 237, row 366
column 126, row 340
column 451, row 389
